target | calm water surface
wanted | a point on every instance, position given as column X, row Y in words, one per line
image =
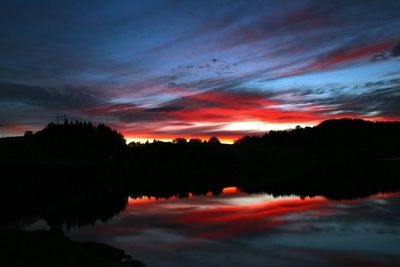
column 237, row 229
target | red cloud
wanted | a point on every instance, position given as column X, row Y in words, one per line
column 348, row 54
column 210, row 113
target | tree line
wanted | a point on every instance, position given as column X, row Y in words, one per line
column 64, row 168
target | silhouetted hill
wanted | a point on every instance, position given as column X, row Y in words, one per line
column 334, row 139
column 74, row 141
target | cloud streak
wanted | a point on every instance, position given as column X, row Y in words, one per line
column 185, row 68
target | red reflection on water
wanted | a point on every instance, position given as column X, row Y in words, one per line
column 232, row 214
column 229, row 190
column 235, row 220
column 314, row 230
column 145, row 200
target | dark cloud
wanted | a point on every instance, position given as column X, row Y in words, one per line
column 396, row 51
column 377, row 99
column 167, row 108
column 49, row 98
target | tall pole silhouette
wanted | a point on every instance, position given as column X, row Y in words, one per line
column 61, row 118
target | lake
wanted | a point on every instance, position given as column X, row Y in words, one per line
column 239, row 229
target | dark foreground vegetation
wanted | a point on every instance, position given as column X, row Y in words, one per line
column 52, row 248
column 75, row 174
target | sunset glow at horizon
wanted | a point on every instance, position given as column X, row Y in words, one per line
column 195, row 69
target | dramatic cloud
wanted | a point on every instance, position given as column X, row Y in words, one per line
column 48, row 98
column 160, row 69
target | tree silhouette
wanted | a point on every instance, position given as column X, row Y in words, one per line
column 179, row 141
column 214, row 141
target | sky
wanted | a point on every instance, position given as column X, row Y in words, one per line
column 195, row 69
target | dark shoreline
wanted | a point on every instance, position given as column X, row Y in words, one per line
column 52, row 248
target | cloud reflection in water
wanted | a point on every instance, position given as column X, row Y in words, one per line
column 237, row 229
